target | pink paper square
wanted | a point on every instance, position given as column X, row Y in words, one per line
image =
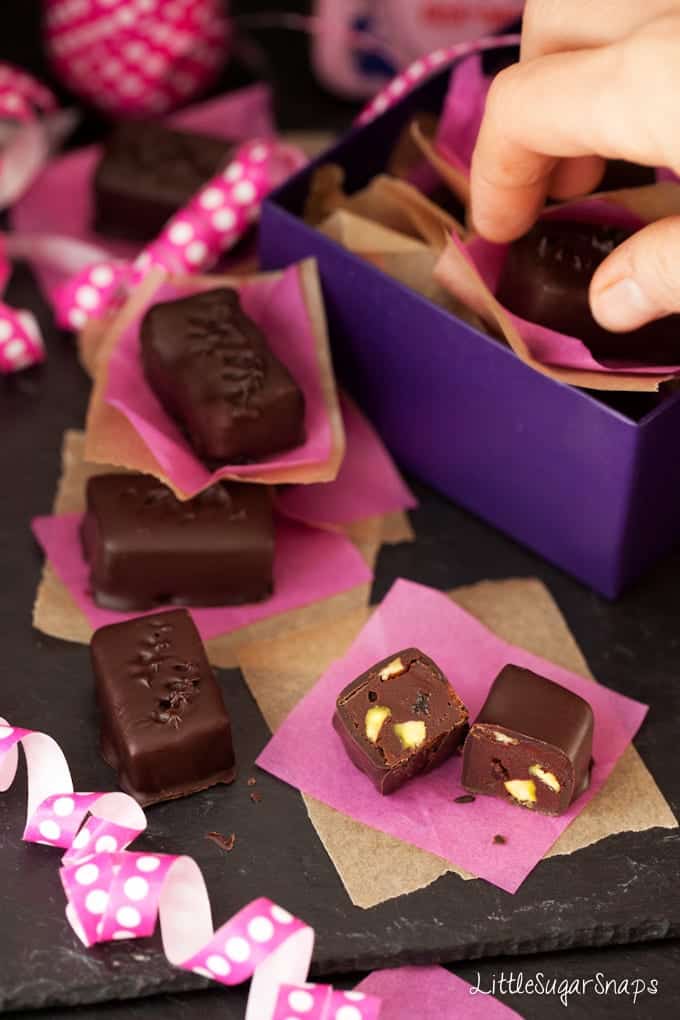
column 310, row 565
column 60, row 200
column 279, row 309
column 423, row 812
column 368, row 483
column 430, row 992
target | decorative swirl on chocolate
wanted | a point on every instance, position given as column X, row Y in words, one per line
column 218, row 332
column 175, row 681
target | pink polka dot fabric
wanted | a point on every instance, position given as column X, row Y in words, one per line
column 193, row 240
column 21, row 343
column 113, row 894
column 420, row 69
column 137, row 57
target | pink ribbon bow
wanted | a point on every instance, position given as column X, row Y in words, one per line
column 113, row 894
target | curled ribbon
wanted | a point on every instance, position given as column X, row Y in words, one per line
column 30, row 126
column 113, row 893
column 217, row 217
column 420, row 69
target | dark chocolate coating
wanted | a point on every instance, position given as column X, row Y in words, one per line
column 148, row 172
column 545, row 279
column 417, row 692
column 211, row 368
column 164, row 727
column 529, row 723
column 146, row 548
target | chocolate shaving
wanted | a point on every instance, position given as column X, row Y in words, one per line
column 500, row 839
column 465, row 798
column 256, row 797
column 223, row 842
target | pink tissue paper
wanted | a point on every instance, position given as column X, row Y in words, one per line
column 430, row 992
column 423, row 812
column 368, row 483
column 309, row 565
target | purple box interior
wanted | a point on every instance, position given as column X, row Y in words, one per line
column 592, row 486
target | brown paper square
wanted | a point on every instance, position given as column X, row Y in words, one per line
column 56, row 613
column 375, row 867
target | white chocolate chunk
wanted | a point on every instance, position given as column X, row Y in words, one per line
column 375, row 717
column 411, row 734
column 523, row 790
column 548, row 778
column 393, row 668
column 503, row 738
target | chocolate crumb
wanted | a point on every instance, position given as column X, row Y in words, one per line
column 465, row 798
column 252, row 781
column 500, row 839
column 256, row 797
column 223, row 842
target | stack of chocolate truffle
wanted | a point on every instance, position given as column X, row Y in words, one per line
column 164, row 725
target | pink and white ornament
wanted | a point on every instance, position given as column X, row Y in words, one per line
column 137, row 57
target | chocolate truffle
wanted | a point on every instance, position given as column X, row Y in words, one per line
column 545, row 280
column 211, row 368
column 399, row 719
column 164, row 727
column 531, row 743
column 148, row 172
column 145, row 548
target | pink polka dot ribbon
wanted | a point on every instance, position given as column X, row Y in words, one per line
column 21, row 343
column 420, row 69
column 323, row 1002
column 113, row 893
column 23, row 98
column 137, row 57
column 218, row 216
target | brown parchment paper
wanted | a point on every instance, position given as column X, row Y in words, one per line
column 375, row 867
column 404, row 258
column 454, row 272
column 386, row 200
column 55, row 613
column 423, row 138
column 111, row 439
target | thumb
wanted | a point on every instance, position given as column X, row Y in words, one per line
column 640, row 280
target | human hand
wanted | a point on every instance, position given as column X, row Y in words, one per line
column 552, row 118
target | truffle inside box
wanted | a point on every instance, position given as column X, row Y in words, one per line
column 590, row 482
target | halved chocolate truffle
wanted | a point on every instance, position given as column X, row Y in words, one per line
column 531, row 743
column 164, row 727
column 210, row 366
column 399, row 719
column 145, row 548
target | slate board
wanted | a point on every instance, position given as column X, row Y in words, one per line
column 623, row 889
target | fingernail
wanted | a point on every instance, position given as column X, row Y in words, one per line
column 623, row 305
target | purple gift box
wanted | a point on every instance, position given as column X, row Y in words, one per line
column 592, row 486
